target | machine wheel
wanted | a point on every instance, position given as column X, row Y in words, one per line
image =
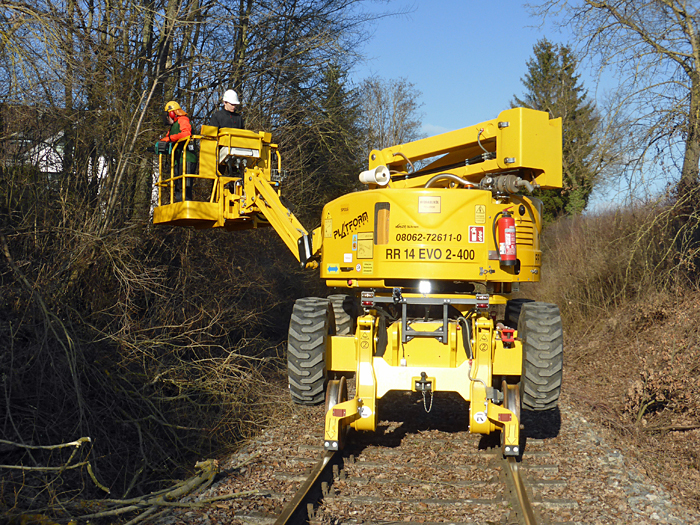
column 540, row 331
column 337, row 392
column 511, row 397
column 512, row 314
column 344, row 311
column 311, row 324
column 511, row 400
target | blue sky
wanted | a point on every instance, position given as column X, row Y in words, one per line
column 466, row 57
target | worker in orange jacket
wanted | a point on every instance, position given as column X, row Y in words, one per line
column 180, row 128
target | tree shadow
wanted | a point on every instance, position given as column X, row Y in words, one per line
column 541, row 425
column 404, row 413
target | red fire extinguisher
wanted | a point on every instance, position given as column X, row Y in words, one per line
column 507, row 252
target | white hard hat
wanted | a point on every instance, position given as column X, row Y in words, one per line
column 231, row 97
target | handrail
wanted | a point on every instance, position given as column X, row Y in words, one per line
column 170, row 181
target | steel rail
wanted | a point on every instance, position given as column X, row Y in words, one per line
column 290, row 511
column 300, row 508
column 518, row 487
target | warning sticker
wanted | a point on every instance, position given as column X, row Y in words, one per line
column 480, row 214
column 368, row 267
column 328, row 226
column 365, row 245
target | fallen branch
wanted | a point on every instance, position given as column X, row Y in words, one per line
column 67, row 466
column 45, row 469
column 148, row 505
column 672, row 428
column 250, row 459
column 94, row 479
column 76, row 443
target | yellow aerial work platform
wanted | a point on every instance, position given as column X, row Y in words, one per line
column 427, row 256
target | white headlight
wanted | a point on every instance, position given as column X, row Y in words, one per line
column 424, row 287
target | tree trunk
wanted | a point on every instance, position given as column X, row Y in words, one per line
column 142, row 189
column 688, row 184
column 245, row 9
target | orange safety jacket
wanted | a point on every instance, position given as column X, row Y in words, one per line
column 180, row 129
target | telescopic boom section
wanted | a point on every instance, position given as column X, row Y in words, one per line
column 520, row 140
column 283, row 221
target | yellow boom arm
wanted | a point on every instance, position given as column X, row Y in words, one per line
column 520, row 139
column 237, row 185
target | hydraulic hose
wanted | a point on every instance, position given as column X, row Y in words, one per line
column 466, row 336
column 528, row 186
column 450, row 176
column 399, row 154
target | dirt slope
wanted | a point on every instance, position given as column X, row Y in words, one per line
column 635, row 374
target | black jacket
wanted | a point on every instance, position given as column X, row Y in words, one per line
column 226, row 119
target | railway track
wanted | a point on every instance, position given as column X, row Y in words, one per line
column 304, row 506
column 414, row 474
column 418, row 468
column 427, row 468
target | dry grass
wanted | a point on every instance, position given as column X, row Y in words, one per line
column 625, row 285
column 597, row 263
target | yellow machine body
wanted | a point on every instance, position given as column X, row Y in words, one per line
column 376, row 237
column 400, row 366
column 434, row 225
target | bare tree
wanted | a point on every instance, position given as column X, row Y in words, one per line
column 390, row 112
column 108, row 68
column 653, row 48
column 122, row 331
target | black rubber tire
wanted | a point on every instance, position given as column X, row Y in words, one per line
column 311, row 323
column 513, row 308
column 345, row 313
column 541, row 333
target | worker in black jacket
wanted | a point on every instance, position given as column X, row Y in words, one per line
column 227, row 117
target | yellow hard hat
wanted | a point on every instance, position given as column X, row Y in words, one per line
column 171, row 106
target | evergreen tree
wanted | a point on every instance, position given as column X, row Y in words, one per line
column 340, row 156
column 552, row 85
column 325, row 158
